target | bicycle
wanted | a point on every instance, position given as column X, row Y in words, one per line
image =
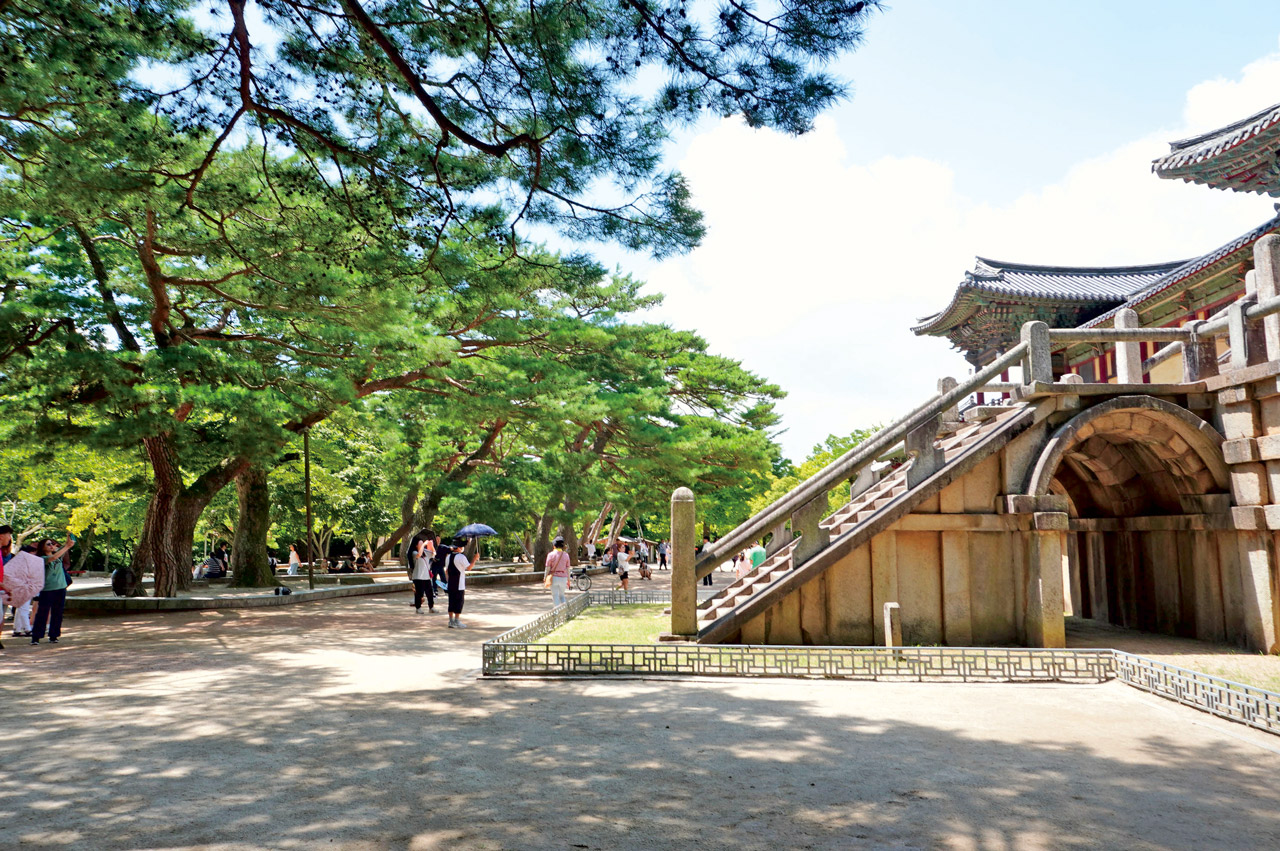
column 581, row 580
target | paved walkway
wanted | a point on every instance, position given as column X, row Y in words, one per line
column 359, row 725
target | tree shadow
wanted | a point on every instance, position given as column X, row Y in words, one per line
column 350, row 728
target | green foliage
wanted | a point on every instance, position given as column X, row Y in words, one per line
column 823, row 454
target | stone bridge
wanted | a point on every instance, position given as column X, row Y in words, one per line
column 1150, row 506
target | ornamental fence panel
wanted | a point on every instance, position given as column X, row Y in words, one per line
column 919, row 664
column 1236, row 701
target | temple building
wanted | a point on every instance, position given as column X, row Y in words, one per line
column 990, row 305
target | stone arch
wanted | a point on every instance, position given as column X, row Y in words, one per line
column 1128, row 455
column 1140, row 549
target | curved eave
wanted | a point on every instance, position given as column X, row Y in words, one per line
column 964, row 305
column 1240, row 157
column 1209, row 263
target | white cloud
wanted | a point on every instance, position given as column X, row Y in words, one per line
column 815, row 265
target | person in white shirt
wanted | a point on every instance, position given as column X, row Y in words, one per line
column 591, row 551
column 456, row 567
column 421, row 551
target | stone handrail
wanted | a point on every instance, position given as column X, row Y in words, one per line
column 850, row 463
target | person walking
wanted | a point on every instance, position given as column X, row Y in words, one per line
column 422, row 550
column 662, row 555
column 556, row 573
column 295, row 560
column 53, row 597
column 21, row 581
column 456, row 568
column 757, row 554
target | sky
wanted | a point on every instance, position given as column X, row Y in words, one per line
column 1009, row 130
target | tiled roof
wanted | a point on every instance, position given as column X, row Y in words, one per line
column 1189, row 268
column 1061, row 284
column 1240, row 156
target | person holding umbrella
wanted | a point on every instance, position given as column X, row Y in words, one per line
column 456, row 567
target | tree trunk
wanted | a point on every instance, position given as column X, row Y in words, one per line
column 615, row 529
column 569, row 534
column 86, row 544
column 249, row 565
column 407, row 515
column 594, row 531
column 542, row 542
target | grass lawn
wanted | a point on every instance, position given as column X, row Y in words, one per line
column 637, row 623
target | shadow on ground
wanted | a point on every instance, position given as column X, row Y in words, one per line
column 359, row 725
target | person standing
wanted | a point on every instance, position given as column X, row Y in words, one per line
column 53, row 598
column 456, row 569
column 706, row 542
column 22, row 580
column 422, row 552
column 662, row 555
column 757, row 555
column 591, row 551
column 557, row 570
column 295, row 560
column 624, row 562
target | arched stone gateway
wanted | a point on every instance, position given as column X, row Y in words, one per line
column 1150, row 543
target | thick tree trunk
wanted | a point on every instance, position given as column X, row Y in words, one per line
column 569, row 534
column 542, row 542
column 594, row 531
column 249, row 565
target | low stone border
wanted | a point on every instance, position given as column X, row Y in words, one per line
column 115, row 605
column 516, row 652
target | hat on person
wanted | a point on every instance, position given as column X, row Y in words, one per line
column 558, row 542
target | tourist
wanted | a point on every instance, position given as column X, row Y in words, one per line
column 363, row 565
column 456, row 569
column 706, row 543
column 645, row 572
column 53, row 597
column 623, row 560
column 757, row 554
column 295, row 561
column 22, row 580
column 662, row 555
column 438, row 571
column 556, row 573
column 591, row 551
column 741, row 564
column 422, row 551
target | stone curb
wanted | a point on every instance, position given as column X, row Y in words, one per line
column 113, row 605
column 88, row 603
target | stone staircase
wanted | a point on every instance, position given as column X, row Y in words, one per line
column 892, row 494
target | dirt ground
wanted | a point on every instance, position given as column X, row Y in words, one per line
column 356, row 724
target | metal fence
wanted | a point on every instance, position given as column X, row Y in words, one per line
column 515, row 652
column 906, row 664
column 1236, row 701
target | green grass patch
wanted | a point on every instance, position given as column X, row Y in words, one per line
column 634, row 623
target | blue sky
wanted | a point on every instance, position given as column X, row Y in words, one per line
column 1014, row 130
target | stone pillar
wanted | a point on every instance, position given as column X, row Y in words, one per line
column 1256, row 560
column 1237, row 332
column 1199, row 357
column 946, row 385
column 1256, row 334
column 1266, row 261
column 684, row 585
column 1038, row 365
column 926, row 458
column 813, row 538
column 1046, row 626
column 892, row 625
column 1128, row 354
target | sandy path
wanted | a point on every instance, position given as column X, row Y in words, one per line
column 357, row 724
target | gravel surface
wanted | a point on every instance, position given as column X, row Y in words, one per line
column 357, row 724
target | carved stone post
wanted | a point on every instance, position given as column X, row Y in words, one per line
column 926, row 458
column 1266, row 261
column 892, row 625
column 684, row 584
column 1254, row 332
column 1038, row 365
column 813, row 539
column 1238, row 331
column 1199, row 357
column 1128, row 354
